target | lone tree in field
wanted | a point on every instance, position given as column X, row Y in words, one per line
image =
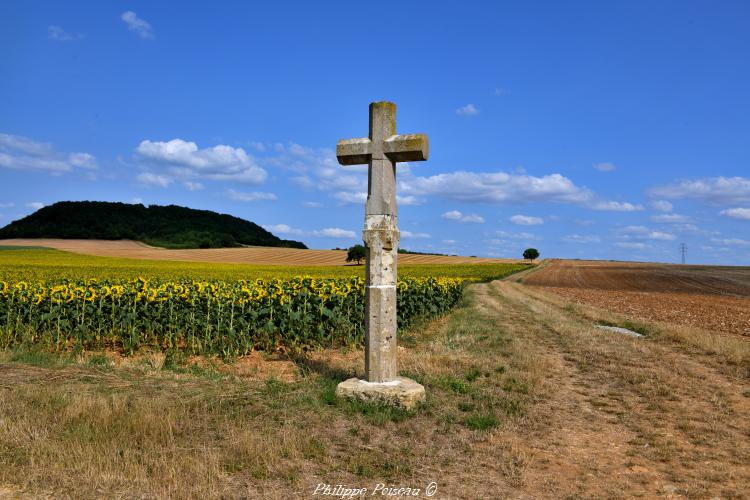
column 531, row 254
column 357, row 252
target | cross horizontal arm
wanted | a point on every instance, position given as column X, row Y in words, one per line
column 353, row 151
column 407, row 147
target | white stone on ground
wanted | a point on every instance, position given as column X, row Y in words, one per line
column 618, row 329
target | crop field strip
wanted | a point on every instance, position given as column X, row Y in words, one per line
column 709, row 297
column 247, row 255
column 62, row 301
column 34, row 264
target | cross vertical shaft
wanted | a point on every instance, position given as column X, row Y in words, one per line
column 381, row 150
column 381, row 237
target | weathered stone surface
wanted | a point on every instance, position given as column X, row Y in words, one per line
column 381, row 363
column 407, row 147
column 381, row 238
column 382, row 149
column 353, row 151
column 401, row 392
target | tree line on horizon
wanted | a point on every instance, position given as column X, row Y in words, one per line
column 168, row 226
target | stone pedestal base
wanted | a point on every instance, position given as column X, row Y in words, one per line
column 402, row 392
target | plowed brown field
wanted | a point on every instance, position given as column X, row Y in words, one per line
column 716, row 298
column 247, row 255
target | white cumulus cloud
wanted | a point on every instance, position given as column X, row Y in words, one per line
column 137, row 25
column 58, row 34
column 35, row 205
column 631, row 245
column 253, row 196
column 642, row 232
column 153, row 180
column 463, row 218
column 334, row 232
column 21, row 153
column 605, row 167
column 661, row 206
column 526, row 220
column 736, row 213
column 184, row 160
column 501, row 187
column 732, row 242
column 616, row 206
column 582, row 239
column 518, row 236
column 709, row 189
column 415, row 236
column 671, row 218
column 468, row 110
column 329, row 232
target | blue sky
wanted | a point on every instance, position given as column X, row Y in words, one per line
column 613, row 130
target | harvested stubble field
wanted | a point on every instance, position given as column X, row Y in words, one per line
column 715, row 298
column 248, row 255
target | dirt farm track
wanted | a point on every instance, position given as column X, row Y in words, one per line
column 248, row 255
column 716, row 298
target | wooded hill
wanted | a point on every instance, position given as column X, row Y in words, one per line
column 169, row 226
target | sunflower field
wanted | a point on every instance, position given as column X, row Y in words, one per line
column 226, row 311
column 204, row 317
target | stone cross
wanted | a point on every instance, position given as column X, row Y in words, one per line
column 381, row 150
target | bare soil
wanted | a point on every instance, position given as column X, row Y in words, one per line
column 716, row 298
column 247, row 255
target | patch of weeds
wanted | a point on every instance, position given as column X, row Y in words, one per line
column 473, row 375
column 453, row 384
column 463, row 406
column 375, row 413
column 373, row 464
column 500, row 369
column 274, row 388
column 328, row 392
column 99, row 361
column 417, row 377
column 498, row 341
column 449, row 418
column 571, row 308
column 512, row 407
column 512, row 384
column 313, row 448
column 259, row 472
column 481, row 422
column 38, row 357
column 206, row 372
column 407, row 339
column 174, row 360
column 232, row 467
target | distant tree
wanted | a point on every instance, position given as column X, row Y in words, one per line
column 531, row 254
column 357, row 252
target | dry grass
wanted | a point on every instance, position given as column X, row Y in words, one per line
column 525, row 399
column 249, row 255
